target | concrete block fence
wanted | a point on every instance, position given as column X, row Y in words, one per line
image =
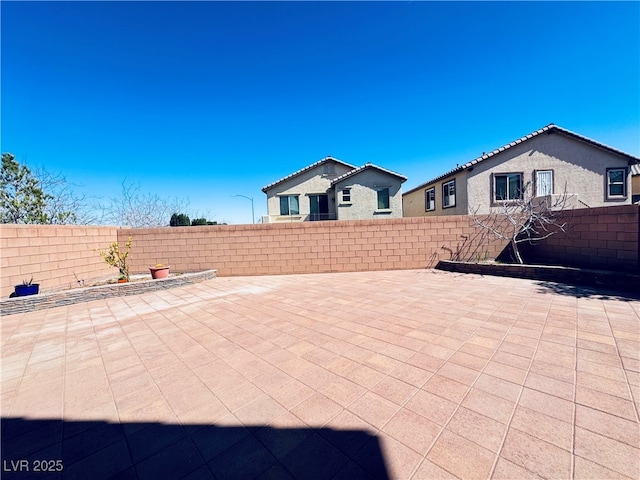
column 598, row 238
column 308, row 247
column 57, row 256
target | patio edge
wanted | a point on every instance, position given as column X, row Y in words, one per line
column 43, row 301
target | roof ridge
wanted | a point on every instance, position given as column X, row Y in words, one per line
column 364, row 167
column 529, row 136
column 308, row 167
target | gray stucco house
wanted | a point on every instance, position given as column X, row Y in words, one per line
column 331, row 189
column 550, row 162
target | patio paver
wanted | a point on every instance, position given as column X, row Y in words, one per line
column 401, row 374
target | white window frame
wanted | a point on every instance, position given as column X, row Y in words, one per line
column 495, row 198
column 346, row 195
column 289, row 212
column 539, row 183
column 449, row 199
column 623, row 183
column 430, row 199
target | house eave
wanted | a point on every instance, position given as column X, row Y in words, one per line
column 361, row 169
column 549, row 129
column 305, row 169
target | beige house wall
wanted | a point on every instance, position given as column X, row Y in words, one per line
column 311, row 182
column 635, row 185
column 57, row 257
column 364, row 196
column 579, row 167
column 413, row 204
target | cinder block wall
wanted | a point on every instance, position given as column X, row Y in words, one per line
column 52, row 255
column 309, row 247
column 606, row 237
column 599, row 238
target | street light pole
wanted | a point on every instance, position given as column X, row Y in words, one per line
column 253, row 216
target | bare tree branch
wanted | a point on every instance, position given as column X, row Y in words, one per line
column 527, row 219
column 141, row 210
column 65, row 204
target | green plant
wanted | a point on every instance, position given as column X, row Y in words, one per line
column 198, row 221
column 179, row 220
column 116, row 258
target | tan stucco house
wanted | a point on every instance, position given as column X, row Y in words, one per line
column 331, row 189
column 551, row 161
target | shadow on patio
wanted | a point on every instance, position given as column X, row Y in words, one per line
column 581, row 291
column 101, row 450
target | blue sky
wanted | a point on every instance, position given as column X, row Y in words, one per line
column 205, row 100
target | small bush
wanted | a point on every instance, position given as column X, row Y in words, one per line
column 179, row 220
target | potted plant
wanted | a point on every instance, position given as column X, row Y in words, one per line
column 159, row 271
column 27, row 287
column 117, row 258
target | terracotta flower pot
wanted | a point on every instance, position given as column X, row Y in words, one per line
column 159, row 272
column 122, row 280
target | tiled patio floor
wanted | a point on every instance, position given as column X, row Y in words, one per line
column 406, row 374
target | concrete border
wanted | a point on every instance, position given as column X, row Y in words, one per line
column 43, row 301
column 602, row 279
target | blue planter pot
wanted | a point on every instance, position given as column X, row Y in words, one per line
column 24, row 290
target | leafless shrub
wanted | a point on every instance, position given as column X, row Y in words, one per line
column 527, row 219
column 141, row 210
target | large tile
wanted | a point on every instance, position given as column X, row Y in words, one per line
column 461, row 457
column 317, row 410
column 535, row 455
column 489, row 405
column 394, row 390
column 432, row 407
column 614, row 455
column 373, row 409
column 446, row 388
column 611, row 426
column 412, row 430
column 482, row 430
column 544, row 427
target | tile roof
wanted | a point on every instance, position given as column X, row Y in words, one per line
column 551, row 128
column 363, row 168
column 635, row 169
column 309, row 167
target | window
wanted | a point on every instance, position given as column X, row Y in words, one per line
column 383, row 198
column 507, row 187
column 318, row 207
column 544, row 183
column 346, row 195
column 289, row 205
column 617, row 182
column 449, row 194
column 429, row 199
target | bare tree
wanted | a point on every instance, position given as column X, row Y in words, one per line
column 65, row 203
column 525, row 219
column 141, row 210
